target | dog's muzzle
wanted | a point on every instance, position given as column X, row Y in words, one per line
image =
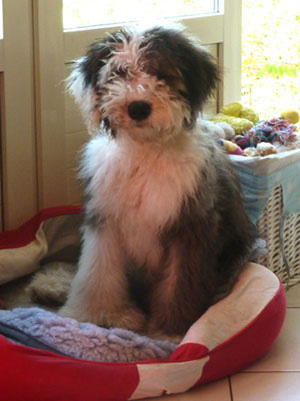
column 139, row 110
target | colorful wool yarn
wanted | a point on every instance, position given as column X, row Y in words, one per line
column 244, row 141
column 274, row 130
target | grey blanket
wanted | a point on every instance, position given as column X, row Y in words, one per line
column 47, row 330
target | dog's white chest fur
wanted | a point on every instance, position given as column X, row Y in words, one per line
column 141, row 187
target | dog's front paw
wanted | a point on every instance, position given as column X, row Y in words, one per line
column 73, row 313
column 129, row 318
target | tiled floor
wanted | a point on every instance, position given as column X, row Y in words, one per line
column 276, row 377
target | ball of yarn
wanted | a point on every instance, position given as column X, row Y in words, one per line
column 291, row 115
column 250, row 115
column 243, row 141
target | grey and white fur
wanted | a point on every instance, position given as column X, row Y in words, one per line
column 165, row 234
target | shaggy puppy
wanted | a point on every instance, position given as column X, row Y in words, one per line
column 165, row 233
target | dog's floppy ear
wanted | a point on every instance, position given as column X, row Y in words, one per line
column 201, row 75
column 83, row 83
column 197, row 67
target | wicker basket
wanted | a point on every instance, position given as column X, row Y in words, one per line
column 282, row 235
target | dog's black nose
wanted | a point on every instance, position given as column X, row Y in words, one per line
column 139, row 110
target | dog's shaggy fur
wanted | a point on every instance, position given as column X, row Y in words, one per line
column 166, row 234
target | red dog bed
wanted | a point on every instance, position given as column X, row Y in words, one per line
column 228, row 337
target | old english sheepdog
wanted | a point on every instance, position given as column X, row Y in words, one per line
column 165, row 233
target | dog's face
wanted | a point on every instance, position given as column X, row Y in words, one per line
column 149, row 85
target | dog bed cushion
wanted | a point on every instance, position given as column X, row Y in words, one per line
column 231, row 335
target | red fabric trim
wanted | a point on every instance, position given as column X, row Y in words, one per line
column 183, row 353
column 26, row 233
column 33, row 375
column 249, row 344
column 188, row 352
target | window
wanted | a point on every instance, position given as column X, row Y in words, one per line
column 84, row 13
column 271, row 56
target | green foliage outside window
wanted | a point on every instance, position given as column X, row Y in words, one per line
column 271, row 55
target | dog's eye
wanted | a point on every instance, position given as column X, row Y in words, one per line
column 163, row 77
column 121, row 72
column 183, row 93
column 169, row 79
